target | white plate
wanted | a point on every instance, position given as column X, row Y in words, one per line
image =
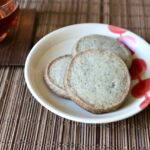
column 60, row 42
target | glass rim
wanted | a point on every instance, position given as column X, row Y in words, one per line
column 7, row 3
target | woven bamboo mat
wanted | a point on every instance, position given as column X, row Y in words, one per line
column 26, row 125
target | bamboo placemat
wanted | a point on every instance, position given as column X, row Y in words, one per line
column 26, row 125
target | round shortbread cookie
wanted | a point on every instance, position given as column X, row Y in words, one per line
column 54, row 75
column 98, row 81
column 95, row 41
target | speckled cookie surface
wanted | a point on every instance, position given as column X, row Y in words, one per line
column 97, row 80
column 54, row 75
column 103, row 42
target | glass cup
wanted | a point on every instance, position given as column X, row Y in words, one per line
column 8, row 16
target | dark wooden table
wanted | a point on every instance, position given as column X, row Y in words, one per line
column 26, row 125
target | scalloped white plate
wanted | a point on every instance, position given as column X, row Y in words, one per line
column 60, row 42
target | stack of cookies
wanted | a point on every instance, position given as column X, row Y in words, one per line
column 95, row 76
